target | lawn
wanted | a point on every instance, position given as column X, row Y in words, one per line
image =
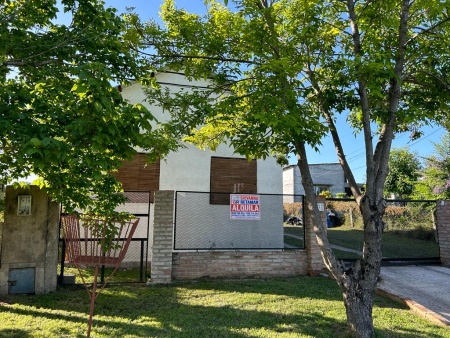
column 290, row 307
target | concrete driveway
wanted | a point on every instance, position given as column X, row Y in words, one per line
column 425, row 289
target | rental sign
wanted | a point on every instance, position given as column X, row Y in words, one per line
column 245, row 207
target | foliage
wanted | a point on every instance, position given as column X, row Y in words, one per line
column 293, row 209
column 326, row 194
column 62, row 120
column 404, row 168
column 285, row 308
column 435, row 180
column 281, row 73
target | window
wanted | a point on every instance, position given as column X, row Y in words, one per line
column 319, row 188
column 138, row 175
column 231, row 176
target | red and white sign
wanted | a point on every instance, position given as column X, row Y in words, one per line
column 245, row 207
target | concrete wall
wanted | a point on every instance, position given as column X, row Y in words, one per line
column 443, row 229
column 30, row 241
column 189, row 169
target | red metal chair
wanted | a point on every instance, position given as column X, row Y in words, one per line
column 96, row 241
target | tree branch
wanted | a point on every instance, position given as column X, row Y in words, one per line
column 22, row 63
column 335, row 136
column 363, row 96
column 429, row 29
column 204, row 57
column 383, row 147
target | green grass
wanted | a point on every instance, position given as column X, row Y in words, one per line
column 392, row 246
column 122, row 275
column 291, row 307
column 296, row 231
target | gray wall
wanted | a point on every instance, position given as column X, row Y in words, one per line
column 30, row 242
column 326, row 174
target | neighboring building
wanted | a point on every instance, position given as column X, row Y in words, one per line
column 325, row 176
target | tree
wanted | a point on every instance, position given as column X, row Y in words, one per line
column 282, row 72
column 435, row 177
column 404, row 168
column 61, row 117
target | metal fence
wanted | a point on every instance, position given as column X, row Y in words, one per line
column 134, row 265
column 246, row 222
column 409, row 230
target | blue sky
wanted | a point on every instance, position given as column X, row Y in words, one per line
column 353, row 146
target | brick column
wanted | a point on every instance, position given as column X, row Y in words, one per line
column 315, row 259
column 161, row 270
column 443, row 230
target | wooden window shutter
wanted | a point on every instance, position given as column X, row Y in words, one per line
column 138, row 175
column 231, row 175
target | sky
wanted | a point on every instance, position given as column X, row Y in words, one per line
column 353, row 145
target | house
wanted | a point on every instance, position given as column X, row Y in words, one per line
column 192, row 169
column 215, row 174
column 325, row 176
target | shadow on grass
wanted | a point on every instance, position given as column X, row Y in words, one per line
column 168, row 318
column 14, row 333
column 203, row 309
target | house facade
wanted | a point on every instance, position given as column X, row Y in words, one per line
column 190, row 169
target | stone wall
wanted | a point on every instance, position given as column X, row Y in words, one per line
column 30, row 243
column 443, row 229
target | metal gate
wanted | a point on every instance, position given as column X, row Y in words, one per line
column 135, row 264
column 409, row 235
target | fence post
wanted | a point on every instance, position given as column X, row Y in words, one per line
column 161, row 267
column 315, row 259
column 443, row 230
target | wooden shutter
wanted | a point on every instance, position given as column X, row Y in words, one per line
column 231, row 175
column 138, row 175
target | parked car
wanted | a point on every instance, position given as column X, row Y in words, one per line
column 294, row 220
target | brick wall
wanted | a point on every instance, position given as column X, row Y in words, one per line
column 161, row 270
column 315, row 259
column 443, row 228
column 229, row 264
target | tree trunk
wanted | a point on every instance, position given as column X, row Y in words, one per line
column 358, row 305
column 358, row 282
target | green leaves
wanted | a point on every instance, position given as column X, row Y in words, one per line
column 61, row 118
